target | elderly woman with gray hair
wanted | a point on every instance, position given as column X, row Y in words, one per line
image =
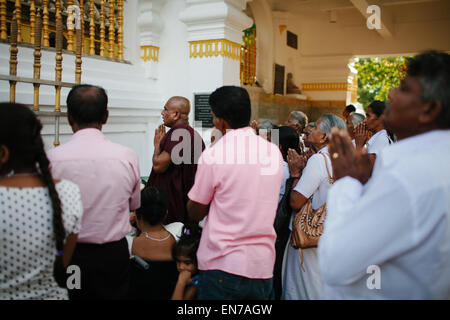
column 297, row 120
column 313, row 182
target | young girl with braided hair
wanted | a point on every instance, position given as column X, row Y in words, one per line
column 184, row 252
column 39, row 216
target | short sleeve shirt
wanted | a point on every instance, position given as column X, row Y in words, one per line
column 378, row 142
column 27, row 239
column 314, row 180
column 238, row 236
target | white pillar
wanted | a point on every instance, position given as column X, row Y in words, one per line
column 214, row 30
column 215, row 37
column 150, row 26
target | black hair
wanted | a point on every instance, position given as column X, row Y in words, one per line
column 153, row 207
column 188, row 243
column 432, row 68
column 20, row 132
column 232, row 104
column 377, row 107
column 350, row 108
column 87, row 104
column 289, row 139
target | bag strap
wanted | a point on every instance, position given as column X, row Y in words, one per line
column 330, row 178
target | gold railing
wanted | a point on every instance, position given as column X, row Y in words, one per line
column 101, row 24
column 73, row 24
column 248, row 57
column 214, row 48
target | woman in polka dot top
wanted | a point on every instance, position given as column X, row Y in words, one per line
column 39, row 216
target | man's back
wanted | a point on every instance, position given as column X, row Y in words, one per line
column 108, row 177
column 241, row 177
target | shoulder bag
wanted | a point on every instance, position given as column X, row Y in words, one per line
column 307, row 225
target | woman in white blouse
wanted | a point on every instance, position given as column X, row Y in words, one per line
column 380, row 138
column 313, row 183
column 39, row 217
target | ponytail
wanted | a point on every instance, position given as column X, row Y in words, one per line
column 188, row 243
column 44, row 166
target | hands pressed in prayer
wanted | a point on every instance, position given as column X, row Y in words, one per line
column 346, row 160
column 296, row 163
column 160, row 132
column 361, row 134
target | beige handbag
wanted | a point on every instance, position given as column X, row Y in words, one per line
column 307, row 225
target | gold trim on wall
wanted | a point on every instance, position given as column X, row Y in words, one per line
column 215, row 47
column 353, row 88
column 150, row 53
column 325, row 86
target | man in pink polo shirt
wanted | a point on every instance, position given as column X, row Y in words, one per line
column 237, row 185
column 108, row 176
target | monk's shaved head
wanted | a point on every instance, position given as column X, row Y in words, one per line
column 181, row 104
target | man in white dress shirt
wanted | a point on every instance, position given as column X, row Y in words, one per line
column 389, row 237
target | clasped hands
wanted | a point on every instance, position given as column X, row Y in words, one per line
column 160, row 132
column 296, row 163
column 362, row 134
column 346, row 160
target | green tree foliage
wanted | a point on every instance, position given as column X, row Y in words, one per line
column 378, row 76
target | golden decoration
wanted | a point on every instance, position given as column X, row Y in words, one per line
column 248, row 57
column 58, row 58
column 37, row 60
column 102, row 27
column 325, row 86
column 3, row 29
column 82, row 22
column 32, row 20
column 91, row 27
column 78, row 57
column 18, row 18
column 70, row 25
column 120, row 31
column 13, row 59
column 45, row 24
column 214, row 48
column 58, row 8
column 111, row 36
column 150, row 53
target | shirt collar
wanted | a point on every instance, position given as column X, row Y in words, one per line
column 87, row 132
column 244, row 130
column 179, row 125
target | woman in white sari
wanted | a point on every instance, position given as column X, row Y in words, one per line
column 313, row 182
